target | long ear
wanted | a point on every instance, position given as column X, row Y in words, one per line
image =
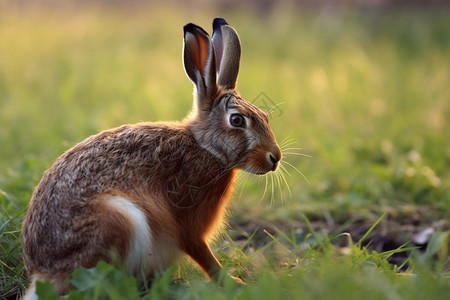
column 228, row 53
column 200, row 65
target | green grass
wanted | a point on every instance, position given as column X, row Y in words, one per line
column 364, row 95
column 304, row 270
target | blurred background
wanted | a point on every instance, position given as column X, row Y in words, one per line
column 357, row 91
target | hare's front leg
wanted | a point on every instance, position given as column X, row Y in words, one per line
column 202, row 254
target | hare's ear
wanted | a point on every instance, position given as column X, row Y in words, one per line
column 228, row 53
column 200, row 64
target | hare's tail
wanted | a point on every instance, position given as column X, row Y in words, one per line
column 145, row 257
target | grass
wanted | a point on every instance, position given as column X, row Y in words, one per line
column 365, row 95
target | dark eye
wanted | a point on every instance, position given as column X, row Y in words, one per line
column 237, row 120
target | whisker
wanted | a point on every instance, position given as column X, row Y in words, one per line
column 298, row 154
column 288, row 138
column 286, row 150
column 265, row 190
column 291, row 148
column 271, row 196
column 283, row 168
column 278, row 182
column 283, row 177
column 295, row 168
column 282, row 180
column 287, row 143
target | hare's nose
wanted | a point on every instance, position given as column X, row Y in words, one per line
column 274, row 159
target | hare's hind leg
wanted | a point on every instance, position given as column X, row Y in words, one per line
column 104, row 231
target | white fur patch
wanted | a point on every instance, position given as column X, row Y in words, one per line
column 137, row 261
column 147, row 255
column 31, row 291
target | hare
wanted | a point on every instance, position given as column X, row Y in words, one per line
column 146, row 193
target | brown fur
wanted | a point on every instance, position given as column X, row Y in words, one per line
column 179, row 175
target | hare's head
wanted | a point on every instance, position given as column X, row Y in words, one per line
column 231, row 128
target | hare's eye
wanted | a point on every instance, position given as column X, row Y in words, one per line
column 237, row 120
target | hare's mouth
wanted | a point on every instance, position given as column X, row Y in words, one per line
column 256, row 171
column 262, row 167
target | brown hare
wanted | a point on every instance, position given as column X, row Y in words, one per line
column 148, row 192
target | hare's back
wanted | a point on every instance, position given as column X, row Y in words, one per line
column 123, row 158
